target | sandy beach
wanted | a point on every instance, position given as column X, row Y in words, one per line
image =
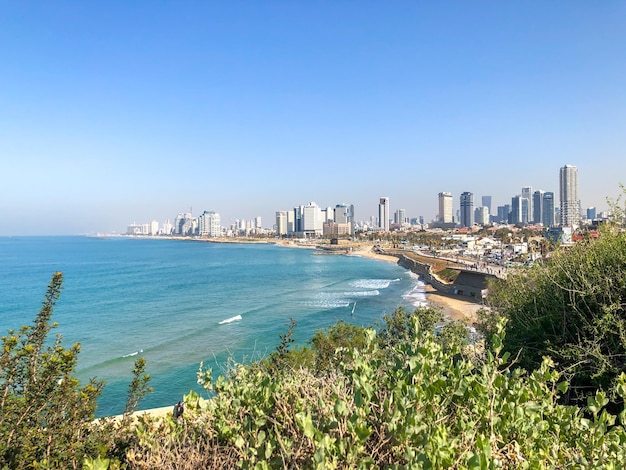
column 454, row 307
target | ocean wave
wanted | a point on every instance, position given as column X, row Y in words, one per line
column 416, row 299
column 328, row 304
column 363, row 293
column 230, row 320
column 417, row 295
column 373, row 283
column 133, row 353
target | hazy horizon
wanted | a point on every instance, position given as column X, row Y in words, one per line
column 119, row 112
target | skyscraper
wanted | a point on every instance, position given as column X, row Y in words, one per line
column 570, row 206
column 547, row 216
column 537, row 207
column 312, row 221
column 209, row 224
column 399, row 217
column 481, row 215
column 527, row 193
column 515, row 216
column 445, row 207
column 383, row 214
column 525, row 210
column 467, row 209
column 591, row 213
column 486, row 200
column 344, row 214
column 503, row 214
column 281, row 223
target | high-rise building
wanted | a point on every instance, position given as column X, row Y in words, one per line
column 167, row 227
column 537, row 207
column 445, row 208
column 312, row 220
column 515, row 217
column 486, row 200
column 281, row 223
column 297, row 219
column 547, row 215
column 383, row 214
column 291, row 227
column 525, row 210
column 503, row 214
column 481, row 215
column 527, row 193
column 399, row 217
column 467, row 209
column 209, row 224
column 591, row 213
column 344, row 214
column 570, row 206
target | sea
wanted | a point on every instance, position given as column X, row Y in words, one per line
column 178, row 303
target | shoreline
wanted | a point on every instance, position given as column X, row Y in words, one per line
column 453, row 307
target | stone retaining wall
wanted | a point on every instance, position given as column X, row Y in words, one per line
column 424, row 270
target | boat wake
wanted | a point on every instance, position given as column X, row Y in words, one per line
column 230, row 320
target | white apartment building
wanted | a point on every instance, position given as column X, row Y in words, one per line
column 209, row 224
column 481, row 215
column 383, row 214
column 570, row 206
column 312, row 220
column 281, row 223
column 445, row 207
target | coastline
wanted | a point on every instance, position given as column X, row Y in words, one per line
column 453, row 307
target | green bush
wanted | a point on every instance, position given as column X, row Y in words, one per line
column 416, row 404
column 571, row 308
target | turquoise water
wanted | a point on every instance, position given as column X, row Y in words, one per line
column 177, row 303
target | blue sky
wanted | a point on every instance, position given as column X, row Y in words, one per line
column 114, row 112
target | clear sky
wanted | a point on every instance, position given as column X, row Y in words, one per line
column 115, row 112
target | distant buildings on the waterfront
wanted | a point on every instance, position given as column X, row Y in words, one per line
column 529, row 207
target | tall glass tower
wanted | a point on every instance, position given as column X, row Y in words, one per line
column 547, row 216
column 486, row 200
column 467, row 209
column 537, row 207
column 570, row 207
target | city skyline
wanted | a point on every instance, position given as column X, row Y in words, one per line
column 111, row 115
column 528, row 208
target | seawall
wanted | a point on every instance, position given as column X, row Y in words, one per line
column 424, row 270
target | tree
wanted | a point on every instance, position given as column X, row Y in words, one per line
column 46, row 416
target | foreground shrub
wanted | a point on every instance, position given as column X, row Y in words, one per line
column 417, row 405
column 571, row 308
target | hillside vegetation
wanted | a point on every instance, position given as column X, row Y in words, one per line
column 571, row 308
